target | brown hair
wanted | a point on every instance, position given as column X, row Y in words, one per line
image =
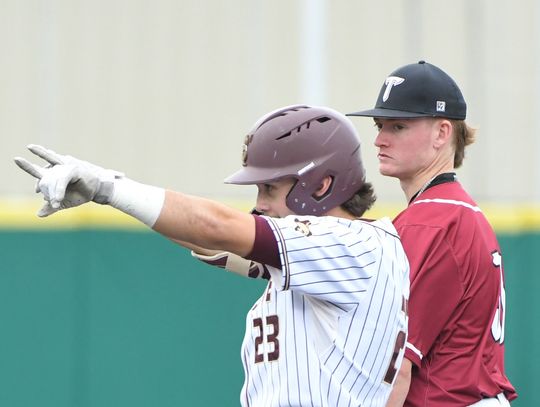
column 463, row 136
column 361, row 201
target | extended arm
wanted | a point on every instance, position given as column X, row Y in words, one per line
column 67, row 182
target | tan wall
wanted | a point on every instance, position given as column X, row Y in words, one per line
column 165, row 89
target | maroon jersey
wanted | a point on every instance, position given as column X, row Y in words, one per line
column 456, row 307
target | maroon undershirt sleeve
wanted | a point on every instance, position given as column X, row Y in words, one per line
column 265, row 248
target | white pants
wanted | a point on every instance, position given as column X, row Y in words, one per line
column 499, row 401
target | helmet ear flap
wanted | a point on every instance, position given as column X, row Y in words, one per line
column 299, row 197
column 302, row 198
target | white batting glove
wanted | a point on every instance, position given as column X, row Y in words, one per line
column 67, row 182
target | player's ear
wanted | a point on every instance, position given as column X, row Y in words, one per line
column 324, row 187
column 444, row 129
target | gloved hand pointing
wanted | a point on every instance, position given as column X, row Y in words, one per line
column 66, row 182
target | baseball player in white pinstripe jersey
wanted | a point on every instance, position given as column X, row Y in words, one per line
column 330, row 327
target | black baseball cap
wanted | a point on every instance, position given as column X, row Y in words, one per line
column 418, row 90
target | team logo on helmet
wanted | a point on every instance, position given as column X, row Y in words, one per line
column 390, row 82
column 247, row 141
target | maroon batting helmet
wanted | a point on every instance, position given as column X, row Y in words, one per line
column 307, row 143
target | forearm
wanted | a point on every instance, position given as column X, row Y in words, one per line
column 204, row 223
column 193, row 221
column 401, row 385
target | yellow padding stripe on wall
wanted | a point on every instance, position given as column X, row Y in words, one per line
column 21, row 214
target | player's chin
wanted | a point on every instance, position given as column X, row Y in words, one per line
column 387, row 170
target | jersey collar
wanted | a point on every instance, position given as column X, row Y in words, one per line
column 437, row 180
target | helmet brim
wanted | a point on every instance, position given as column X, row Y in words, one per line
column 255, row 175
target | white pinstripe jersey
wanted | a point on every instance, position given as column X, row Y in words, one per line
column 330, row 328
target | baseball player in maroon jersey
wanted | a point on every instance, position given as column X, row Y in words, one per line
column 330, row 327
column 455, row 350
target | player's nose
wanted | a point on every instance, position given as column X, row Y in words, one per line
column 261, row 205
column 381, row 139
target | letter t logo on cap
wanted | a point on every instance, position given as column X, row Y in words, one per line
column 390, row 82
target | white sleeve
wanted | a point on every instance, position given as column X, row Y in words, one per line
column 325, row 257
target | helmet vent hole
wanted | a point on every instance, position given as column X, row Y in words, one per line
column 323, row 119
column 284, row 135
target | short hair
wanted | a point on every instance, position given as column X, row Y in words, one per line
column 463, row 136
column 361, row 201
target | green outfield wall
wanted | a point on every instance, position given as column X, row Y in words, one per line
column 105, row 313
